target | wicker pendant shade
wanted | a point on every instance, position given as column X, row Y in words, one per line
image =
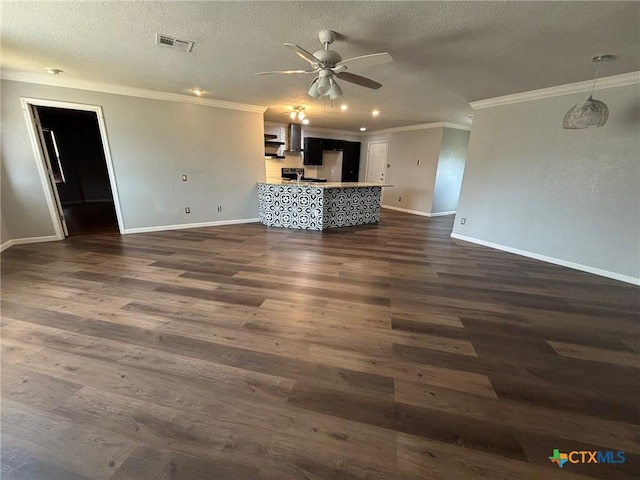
column 591, row 112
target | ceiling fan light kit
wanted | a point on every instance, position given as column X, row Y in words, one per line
column 335, row 91
column 313, row 89
column 328, row 64
column 591, row 112
column 324, row 82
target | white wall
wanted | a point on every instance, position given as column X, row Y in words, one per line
column 453, row 154
column 568, row 195
column 153, row 142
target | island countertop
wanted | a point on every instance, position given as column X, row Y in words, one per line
column 304, row 183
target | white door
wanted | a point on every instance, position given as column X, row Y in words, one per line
column 376, row 162
column 47, row 161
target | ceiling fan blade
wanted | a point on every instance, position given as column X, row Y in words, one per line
column 365, row 61
column 302, row 53
column 358, row 80
column 285, row 72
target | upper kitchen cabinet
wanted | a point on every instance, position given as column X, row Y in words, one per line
column 313, row 148
column 333, row 145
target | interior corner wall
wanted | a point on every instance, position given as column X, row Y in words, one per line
column 5, row 236
column 413, row 183
column 569, row 196
column 453, row 154
column 152, row 144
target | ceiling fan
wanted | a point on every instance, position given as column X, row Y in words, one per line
column 329, row 64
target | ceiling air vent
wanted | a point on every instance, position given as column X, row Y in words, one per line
column 167, row 41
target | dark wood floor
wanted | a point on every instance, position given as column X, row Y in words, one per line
column 380, row 352
column 91, row 218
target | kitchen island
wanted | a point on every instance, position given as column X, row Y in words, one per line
column 318, row 206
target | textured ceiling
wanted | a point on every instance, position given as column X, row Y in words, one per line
column 445, row 53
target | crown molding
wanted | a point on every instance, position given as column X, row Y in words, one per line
column 331, row 130
column 311, row 128
column 623, row 80
column 49, row 80
column 421, row 126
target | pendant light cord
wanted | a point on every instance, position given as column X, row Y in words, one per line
column 593, row 89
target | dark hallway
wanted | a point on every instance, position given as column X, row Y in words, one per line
column 73, row 141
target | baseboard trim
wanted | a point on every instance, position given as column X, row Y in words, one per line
column 442, row 214
column 556, row 261
column 22, row 241
column 162, row 228
column 416, row 212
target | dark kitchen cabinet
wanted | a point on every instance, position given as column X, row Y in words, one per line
column 350, row 161
column 313, row 148
column 313, row 151
column 334, row 145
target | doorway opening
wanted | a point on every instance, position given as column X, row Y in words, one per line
column 70, row 143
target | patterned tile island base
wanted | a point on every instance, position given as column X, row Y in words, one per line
column 314, row 207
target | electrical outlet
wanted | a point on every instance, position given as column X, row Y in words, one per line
column 184, row 178
column 399, row 199
column 187, row 210
column 463, row 221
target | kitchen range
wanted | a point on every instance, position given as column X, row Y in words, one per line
column 297, row 174
column 315, row 204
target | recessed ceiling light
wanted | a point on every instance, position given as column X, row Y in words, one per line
column 305, row 121
column 363, row 129
column 375, row 113
column 343, row 107
column 54, row 71
column 197, row 91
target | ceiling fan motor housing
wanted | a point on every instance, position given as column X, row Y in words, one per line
column 329, row 58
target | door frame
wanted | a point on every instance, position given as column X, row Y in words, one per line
column 49, row 169
column 386, row 152
column 41, row 163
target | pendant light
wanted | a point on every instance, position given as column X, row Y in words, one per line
column 591, row 112
column 297, row 112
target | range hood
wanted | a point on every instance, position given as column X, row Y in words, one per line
column 294, row 137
